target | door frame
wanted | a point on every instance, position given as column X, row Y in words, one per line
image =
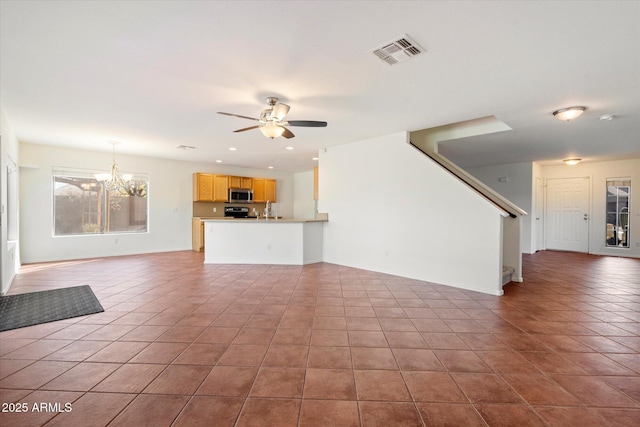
column 539, row 210
column 588, row 208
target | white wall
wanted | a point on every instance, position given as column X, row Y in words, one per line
column 303, row 203
column 598, row 172
column 517, row 188
column 393, row 210
column 170, row 203
column 9, row 252
column 521, row 189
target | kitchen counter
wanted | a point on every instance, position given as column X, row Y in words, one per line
column 262, row 220
column 263, row 241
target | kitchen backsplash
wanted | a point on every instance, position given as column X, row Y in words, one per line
column 205, row 209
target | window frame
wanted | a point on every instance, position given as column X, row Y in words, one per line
column 618, row 183
column 89, row 174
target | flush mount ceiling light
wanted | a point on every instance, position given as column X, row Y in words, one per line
column 568, row 114
column 572, row 162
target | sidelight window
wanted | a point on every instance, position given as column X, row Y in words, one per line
column 82, row 205
column 618, row 195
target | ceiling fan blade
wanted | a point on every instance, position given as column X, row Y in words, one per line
column 237, row 115
column 280, row 111
column 287, row 133
column 249, row 128
column 307, row 123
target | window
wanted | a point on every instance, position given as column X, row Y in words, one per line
column 618, row 193
column 83, row 206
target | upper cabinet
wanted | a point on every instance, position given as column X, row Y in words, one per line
column 203, row 187
column 208, row 187
column 241, row 182
column 220, row 188
column 270, row 189
column 264, row 189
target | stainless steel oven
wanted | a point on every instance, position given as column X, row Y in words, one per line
column 237, row 212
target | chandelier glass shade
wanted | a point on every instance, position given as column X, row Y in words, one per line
column 122, row 183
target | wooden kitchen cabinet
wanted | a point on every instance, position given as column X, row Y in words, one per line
column 315, row 183
column 220, row 188
column 270, row 190
column 203, row 187
column 208, row 187
column 264, row 189
column 197, row 234
column 241, row 182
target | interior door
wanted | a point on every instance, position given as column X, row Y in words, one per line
column 567, row 214
column 539, row 215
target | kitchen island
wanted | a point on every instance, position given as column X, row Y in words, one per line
column 263, row 241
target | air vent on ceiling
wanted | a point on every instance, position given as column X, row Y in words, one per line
column 400, row 50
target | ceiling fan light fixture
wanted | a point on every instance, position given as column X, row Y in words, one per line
column 572, row 162
column 271, row 130
column 568, row 114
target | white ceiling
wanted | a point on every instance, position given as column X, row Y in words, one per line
column 153, row 74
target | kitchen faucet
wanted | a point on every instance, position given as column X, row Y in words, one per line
column 267, row 209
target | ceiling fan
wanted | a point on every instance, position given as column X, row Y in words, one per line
column 272, row 123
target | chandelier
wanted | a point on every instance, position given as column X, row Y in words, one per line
column 121, row 183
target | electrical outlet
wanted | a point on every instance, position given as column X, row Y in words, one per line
column 215, row 210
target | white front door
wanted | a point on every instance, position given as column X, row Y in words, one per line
column 567, row 214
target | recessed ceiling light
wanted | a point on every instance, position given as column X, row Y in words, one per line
column 572, row 162
column 270, row 167
column 568, row 114
column 314, row 158
column 233, row 149
column 186, row 147
column 289, row 148
column 218, row 161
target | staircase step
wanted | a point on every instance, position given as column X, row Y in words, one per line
column 507, row 272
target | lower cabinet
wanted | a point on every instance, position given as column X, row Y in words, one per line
column 197, row 234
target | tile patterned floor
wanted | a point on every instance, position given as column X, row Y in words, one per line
column 185, row 344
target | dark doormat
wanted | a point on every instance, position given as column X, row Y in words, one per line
column 33, row 308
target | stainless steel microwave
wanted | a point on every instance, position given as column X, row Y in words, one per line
column 240, row 195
